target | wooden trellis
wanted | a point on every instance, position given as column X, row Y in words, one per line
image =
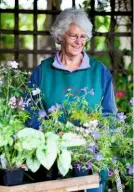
column 16, row 50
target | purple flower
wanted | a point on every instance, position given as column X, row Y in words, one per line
column 114, row 159
column 52, row 109
column 84, row 89
column 91, row 92
column 132, row 101
column 42, row 113
column 13, row 102
column 93, row 149
column 89, row 164
column 58, row 106
column 95, row 135
column 21, row 103
column 110, row 173
column 121, row 116
column 98, row 156
column 78, row 166
column 131, row 170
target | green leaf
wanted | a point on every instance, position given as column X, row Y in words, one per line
column 51, row 137
column 33, row 164
column 30, row 132
column 3, row 142
column 30, row 143
column 72, row 140
column 64, row 162
column 30, row 138
column 47, row 157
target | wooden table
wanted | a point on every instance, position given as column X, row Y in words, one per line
column 63, row 185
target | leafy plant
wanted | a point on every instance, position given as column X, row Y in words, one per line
column 92, row 141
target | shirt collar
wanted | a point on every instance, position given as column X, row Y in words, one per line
column 84, row 65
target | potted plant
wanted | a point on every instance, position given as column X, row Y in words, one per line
column 107, row 141
column 20, row 145
column 85, row 139
column 12, row 119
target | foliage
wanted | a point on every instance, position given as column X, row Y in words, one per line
column 19, row 144
column 72, row 134
column 12, row 113
column 106, row 142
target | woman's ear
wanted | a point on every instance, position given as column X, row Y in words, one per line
column 59, row 39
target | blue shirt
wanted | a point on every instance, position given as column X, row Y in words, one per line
column 108, row 102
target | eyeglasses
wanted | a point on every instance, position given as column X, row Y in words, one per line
column 75, row 37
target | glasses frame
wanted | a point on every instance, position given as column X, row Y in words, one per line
column 75, row 37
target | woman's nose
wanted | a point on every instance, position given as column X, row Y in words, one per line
column 78, row 40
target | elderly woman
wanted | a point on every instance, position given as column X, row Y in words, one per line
column 72, row 68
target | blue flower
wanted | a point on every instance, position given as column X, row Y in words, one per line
column 121, row 116
column 84, row 89
column 58, row 106
column 95, row 135
column 91, row 92
column 132, row 101
column 98, row 156
column 114, row 159
column 42, row 113
column 93, row 149
column 52, row 109
column 131, row 170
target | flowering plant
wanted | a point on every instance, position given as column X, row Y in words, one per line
column 73, row 134
column 106, row 140
column 12, row 115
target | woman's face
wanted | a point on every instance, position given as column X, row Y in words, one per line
column 73, row 40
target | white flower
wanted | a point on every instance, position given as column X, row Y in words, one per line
column 77, row 128
column 86, row 124
column 93, row 123
column 28, row 101
column 1, row 82
column 36, row 91
column 87, row 131
column 13, row 64
column 82, row 130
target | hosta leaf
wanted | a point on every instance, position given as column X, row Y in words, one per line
column 27, row 132
column 47, row 157
column 32, row 164
column 52, row 137
column 30, row 144
column 64, row 162
column 72, row 139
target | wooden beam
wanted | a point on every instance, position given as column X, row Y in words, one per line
column 64, row 185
